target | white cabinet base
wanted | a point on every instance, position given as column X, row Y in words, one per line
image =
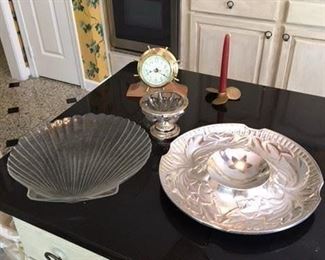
column 302, row 61
column 37, row 243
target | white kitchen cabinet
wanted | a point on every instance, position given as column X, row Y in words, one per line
column 251, row 50
column 40, row 245
column 302, row 60
column 266, row 10
column 310, row 13
column 296, row 63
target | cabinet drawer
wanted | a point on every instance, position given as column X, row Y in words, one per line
column 267, row 10
column 306, row 13
column 38, row 242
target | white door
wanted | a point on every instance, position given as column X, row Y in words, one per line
column 302, row 61
column 250, row 48
column 49, row 28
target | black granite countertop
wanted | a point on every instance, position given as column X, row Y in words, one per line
column 140, row 222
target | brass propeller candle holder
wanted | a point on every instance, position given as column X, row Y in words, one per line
column 224, row 93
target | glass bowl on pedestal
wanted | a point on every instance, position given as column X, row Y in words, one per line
column 164, row 109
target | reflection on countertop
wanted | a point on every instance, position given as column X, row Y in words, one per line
column 140, row 222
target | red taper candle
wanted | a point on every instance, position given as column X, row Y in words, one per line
column 224, row 65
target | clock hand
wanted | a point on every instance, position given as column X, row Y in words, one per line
column 155, row 71
column 163, row 74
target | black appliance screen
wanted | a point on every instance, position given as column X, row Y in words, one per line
column 143, row 21
column 143, row 13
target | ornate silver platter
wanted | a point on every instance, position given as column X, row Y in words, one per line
column 241, row 180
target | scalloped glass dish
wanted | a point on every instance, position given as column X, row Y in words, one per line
column 79, row 158
column 241, row 180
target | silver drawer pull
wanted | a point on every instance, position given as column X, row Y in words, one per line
column 285, row 37
column 230, row 4
column 268, row 34
column 50, row 256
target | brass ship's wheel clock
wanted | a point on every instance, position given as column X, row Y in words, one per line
column 157, row 69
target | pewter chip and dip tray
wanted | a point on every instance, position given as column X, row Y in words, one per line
column 241, row 180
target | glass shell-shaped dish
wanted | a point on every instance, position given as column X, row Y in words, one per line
column 241, row 180
column 79, row 158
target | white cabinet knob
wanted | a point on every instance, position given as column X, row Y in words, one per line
column 285, row 37
column 268, row 34
column 230, row 4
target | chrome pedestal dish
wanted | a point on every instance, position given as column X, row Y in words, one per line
column 79, row 158
column 164, row 109
column 241, row 180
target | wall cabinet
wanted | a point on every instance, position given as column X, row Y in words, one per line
column 280, row 43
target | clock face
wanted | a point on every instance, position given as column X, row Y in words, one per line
column 156, row 71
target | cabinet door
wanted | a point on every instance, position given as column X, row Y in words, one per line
column 40, row 245
column 250, row 50
column 302, row 61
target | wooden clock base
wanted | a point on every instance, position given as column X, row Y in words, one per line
column 139, row 89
